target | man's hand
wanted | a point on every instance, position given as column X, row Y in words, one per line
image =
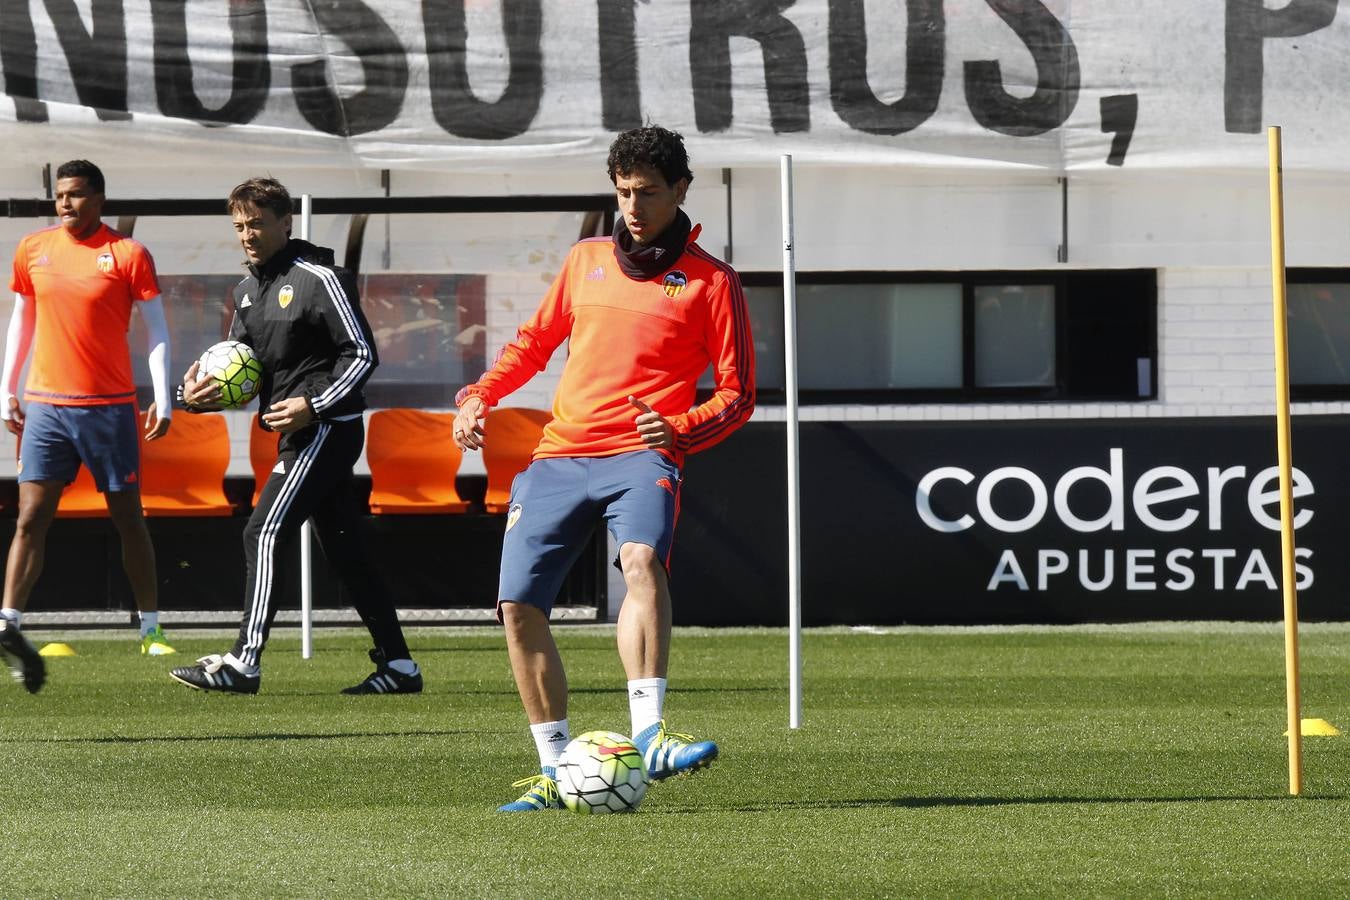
column 655, row 428
column 14, row 421
column 155, row 427
column 200, row 394
column 468, row 427
column 288, row 415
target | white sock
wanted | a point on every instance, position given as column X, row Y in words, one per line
column 646, row 700
column 12, row 615
column 403, row 666
column 235, row 663
column 549, row 739
column 149, row 622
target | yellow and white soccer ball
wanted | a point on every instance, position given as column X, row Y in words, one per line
column 236, row 368
column 601, row 772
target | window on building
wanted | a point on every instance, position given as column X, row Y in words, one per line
column 885, row 337
column 1319, row 333
column 1014, row 335
column 434, row 323
column 428, row 330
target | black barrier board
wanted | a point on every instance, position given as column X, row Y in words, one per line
column 1015, row 521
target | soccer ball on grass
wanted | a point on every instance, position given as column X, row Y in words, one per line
column 236, row 368
column 601, row 772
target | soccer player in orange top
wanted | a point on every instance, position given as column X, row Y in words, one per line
column 646, row 312
column 75, row 285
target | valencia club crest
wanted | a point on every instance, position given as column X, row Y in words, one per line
column 674, row 283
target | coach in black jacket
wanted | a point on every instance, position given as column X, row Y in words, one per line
column 302, row 317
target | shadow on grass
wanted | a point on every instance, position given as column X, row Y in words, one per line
column 617, row 688
column 260, row 736
column 417, row 649
column 431, row 649
column 945, row 802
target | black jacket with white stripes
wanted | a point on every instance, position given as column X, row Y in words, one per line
column 302, row 316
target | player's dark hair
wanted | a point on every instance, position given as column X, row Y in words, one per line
column 82, row 168
column 652, row 146
column 260, row 193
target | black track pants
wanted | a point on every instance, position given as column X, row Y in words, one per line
column 313, row 480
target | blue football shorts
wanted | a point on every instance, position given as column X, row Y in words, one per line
column 556, row 503
column 57, row 438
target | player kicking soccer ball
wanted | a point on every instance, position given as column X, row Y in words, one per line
column 664, row 753
column 644, row 315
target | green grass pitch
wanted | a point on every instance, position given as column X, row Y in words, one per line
column 1128, row 760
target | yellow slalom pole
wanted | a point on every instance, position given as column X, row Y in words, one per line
column 1286, row 462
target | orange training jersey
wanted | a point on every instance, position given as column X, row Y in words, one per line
column 652, row 339
column 83, row 291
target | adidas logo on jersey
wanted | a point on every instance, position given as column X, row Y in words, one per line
column 596, row 274
column 247, row 301
column 280, row 467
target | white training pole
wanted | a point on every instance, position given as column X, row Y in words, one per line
column 306, row 553
column 793, row 455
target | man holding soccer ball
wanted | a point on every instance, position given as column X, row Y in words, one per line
column 75, row 286
column 302, row 317
column 645, row 313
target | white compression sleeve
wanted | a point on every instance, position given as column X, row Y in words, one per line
column 157, row 344
column 18, row 339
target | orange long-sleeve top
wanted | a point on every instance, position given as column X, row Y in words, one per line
column 652, row 339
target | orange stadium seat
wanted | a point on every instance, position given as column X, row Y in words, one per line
column 183, row 473
column 512, row 433
column 81, row 499
column 413, row 462
column 262, row 455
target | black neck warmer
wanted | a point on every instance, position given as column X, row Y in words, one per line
column 643, row 261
